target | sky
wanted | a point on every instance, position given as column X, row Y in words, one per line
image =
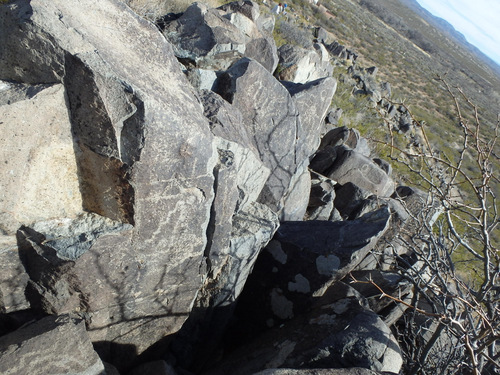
column 477, row 20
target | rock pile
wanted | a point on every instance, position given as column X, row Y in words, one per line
column 153, row 178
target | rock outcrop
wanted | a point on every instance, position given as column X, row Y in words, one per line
column 216, row 38
column 52, row 345
column 174, row 200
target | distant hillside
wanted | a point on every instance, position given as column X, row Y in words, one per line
column 448, row 29
column 411, row 47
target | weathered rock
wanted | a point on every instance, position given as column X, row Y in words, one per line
column 321, row 199
column 340, row 51
column 339, row 331
column 272, row 121
column 334, row 115
column 349, row 199
column 53, row 345
column 323, row 160
column 366, row 342
column 238, row 229
column 149, row 9
column 301, row 262
column 302, row 65
column 37, row 158
column 350, row 371
column 13, row 277
column 215, row 38
column 240, row 178
column 350, row 166
column 348, row 137
column 202, row 79
column 321, row 35
column 296, row 202
column 312, row 100
column 225, row 120
column 252, row 228
column 138, row 285
column 322, row 191
column 12, row 92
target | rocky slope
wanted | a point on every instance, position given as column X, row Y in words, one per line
column 152, row 178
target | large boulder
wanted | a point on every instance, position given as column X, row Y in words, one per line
column 351, row 166
column 321, row 199
column 302, row 65
column 302, row 261
column 215, row 38
column 312, row 100
column 272, row 121
column 53, row 345
column 348, row 137
column 144, row 159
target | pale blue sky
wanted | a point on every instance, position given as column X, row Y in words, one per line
column 477, row 20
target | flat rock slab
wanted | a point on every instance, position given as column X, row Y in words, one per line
column 339, row 331
column 302, row 65
column 302, row 261
column 37, row 159
column 53, row 345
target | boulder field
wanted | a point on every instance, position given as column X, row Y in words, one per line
column 169, row 206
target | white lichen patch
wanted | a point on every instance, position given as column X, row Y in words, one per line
column 327, row 265
column 301, row 285
column 274, row 248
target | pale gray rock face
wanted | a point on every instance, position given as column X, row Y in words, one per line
column 144, row 157
column 351, row 166
column 37, row 158
column 216, row 38
column 53, row 345
column 312, row 100
column 226, row 121
column 295, row 204
column 301, row 65
column 272, row 122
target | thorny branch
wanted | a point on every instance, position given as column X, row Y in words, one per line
column 462, row 188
